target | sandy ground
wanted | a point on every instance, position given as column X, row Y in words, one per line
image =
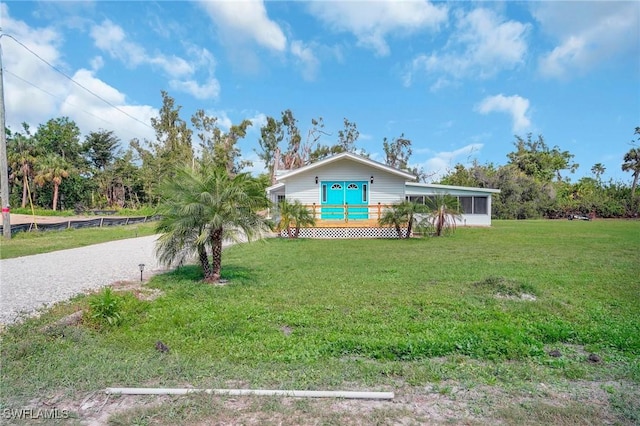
column 20, row 219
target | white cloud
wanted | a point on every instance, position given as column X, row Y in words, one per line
column 208, row 90
column 371, row 23
column 306, row 59
column 35, row 93
column 26, row 78
column 516, row 106
column 257, row 121
column 588, row 33
column 112, row 39
column 440, row 164
column 481, row 45
column 95, row 113
column 246, row 19
column 97, row 63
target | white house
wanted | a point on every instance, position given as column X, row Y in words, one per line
column 347, row 194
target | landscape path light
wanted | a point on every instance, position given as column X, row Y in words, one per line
column 141, row 266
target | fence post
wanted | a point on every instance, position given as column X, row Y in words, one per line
column 101, row 220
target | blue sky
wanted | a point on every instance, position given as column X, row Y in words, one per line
column 459, row 79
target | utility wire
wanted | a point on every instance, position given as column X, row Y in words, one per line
column 75, row 82
column 54, row 96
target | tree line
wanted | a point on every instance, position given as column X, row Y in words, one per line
column 53, row 167
column 532, row 184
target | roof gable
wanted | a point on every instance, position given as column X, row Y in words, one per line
column 350, row 157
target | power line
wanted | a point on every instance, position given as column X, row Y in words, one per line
column 54, row 96
column 75, row 82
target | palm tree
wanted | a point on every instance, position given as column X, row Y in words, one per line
column 292, row 215
column 598, row 170
column 444, row 212
column 402, row 214
column 200, row 208
column 632, row 164
column 52, row 168
column 22, row 157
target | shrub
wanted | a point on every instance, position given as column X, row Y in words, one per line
column 105, row 308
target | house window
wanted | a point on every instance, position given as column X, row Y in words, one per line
column 466, row 204
column 336, row 186
column 324, row 193
column 417, row 199
column 364, row 192
column 474, row 205
column 281, row 198
column 480, row 205
column 352, row 186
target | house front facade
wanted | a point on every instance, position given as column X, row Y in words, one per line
column 347, row 191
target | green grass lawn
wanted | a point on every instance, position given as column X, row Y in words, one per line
column 28, row 243
column 466, row 320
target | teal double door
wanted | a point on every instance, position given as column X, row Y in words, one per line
column 344, row 199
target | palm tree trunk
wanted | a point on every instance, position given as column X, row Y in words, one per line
column 204, row 261
column 24, row 191
column 216, row 248
column 55, row 196
column 409, row 226
column 440, row 221
column 636, row 175
column 398, row 230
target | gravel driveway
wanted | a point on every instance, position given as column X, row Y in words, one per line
column 31, row 282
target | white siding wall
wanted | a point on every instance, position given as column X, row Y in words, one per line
column 274, row 195
column 386, row 188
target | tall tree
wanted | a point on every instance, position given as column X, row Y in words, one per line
column 348, row 136
column 296, row 153
column 53, row 168
column 202, row 207
column 598, row 170
column 535, row 158
column 293, row 156
column 218, row 147
column 171, row 149
column 101, row 148
column 61, row 136
column 172, row 133
column 271, row 135
column 632, row 164
column 397, row 152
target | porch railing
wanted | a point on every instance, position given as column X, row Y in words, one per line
column 346, row 212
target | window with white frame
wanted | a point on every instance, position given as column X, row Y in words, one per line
column 480, row 205
column 474, row 205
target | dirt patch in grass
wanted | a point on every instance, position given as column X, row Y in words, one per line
column 138, row 289
column 571, row 403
